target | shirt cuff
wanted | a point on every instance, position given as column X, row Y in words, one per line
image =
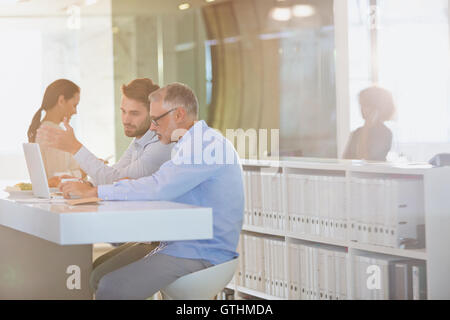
column 106, row 192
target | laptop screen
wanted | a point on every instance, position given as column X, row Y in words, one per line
column 36, row 170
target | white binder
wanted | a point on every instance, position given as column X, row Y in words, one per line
column 331, row 276
column 303, row 272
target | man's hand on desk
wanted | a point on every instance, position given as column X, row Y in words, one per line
column 59, row 139
column 81, row 189
column 54, row 182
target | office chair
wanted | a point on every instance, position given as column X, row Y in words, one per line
column 201, row 285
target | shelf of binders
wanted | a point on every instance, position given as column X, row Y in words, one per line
column 262, row 266
column 276, row 268
column 406, row 253
column 364, row 208
column 351, row 209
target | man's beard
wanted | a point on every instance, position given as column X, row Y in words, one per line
column 140, row 131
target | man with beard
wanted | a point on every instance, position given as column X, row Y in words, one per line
column 144, row 155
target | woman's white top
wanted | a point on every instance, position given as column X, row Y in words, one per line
column 57, row 162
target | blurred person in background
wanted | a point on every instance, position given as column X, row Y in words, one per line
column 373, row 140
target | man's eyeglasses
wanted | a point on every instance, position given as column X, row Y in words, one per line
column 155, row 120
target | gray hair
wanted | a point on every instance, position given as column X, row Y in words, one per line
column 177, row 95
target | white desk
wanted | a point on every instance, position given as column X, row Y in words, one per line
column 39, row 241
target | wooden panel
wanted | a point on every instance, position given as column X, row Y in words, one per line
column 213, row 34
column 232, row 65
column 252, row 66
column 270, row 114
column 245, row 67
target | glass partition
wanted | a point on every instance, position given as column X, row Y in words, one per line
column 253, row 64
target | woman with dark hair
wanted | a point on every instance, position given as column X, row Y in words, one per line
column 60, row 101
column 373, row 140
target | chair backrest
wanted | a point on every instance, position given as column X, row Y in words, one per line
column 203, row 284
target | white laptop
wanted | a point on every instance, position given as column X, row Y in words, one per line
column 36, row 171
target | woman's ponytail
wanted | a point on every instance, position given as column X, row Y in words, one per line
column 35, row 123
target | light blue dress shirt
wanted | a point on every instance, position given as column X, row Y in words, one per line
column 143, row 157
column 204, row 171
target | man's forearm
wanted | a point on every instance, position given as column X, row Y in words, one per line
column 97, row 169
column 75, row 147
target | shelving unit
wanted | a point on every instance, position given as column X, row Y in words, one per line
column 251, row 292
column 436, row 206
